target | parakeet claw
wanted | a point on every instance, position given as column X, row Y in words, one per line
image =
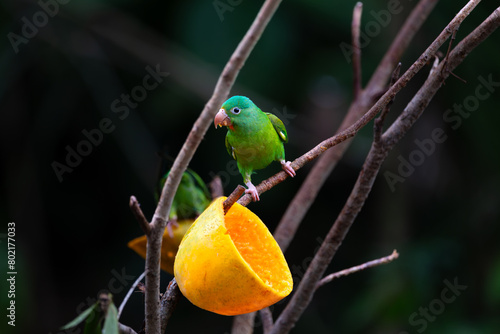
column 172, row 222
column 252, row 191
column 287, row 167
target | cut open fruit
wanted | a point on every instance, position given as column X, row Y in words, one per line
column 231, row 264
column 169, row 244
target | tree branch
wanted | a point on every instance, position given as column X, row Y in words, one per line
column 267, row 319
column 379, row 121
column 139, row 216
column 124, row 329
column 228, row 203
column 355, row 269
column 321, row 170
column 129, row 293
column 243, row 324
column 369, row 171
column 159, row 221
column 399, row 128
column 168, row 303
column 373, row 111
column 216, row 188
column 401, row 42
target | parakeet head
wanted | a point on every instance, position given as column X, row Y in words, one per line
column 233, row 109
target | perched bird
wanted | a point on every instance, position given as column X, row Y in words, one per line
column 190, row 200
column 254, row 138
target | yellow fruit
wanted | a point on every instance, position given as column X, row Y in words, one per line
column 231, row 264
column 169, row 244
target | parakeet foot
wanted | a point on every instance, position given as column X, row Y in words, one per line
column 252, row 191
column 287, row 167
column 172, row 223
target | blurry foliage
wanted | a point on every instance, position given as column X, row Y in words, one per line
column 71, row 235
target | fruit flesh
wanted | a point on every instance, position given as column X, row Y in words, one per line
column 231, row 264
column 256, row 248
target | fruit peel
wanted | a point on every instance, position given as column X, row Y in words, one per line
column 230, row 264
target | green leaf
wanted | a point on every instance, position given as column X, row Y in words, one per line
column 80, row 317
column 93, row 322
column 111, row 322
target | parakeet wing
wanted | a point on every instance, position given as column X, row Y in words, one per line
column 230, row 149
column 278, row 126
column 199, row 183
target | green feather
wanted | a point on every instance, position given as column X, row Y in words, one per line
column 254, row 139
column 230, row 149
column 192, row 196
column 278, row 126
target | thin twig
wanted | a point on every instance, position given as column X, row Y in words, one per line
column 452, row 39
column 267, row 319
column 356, row 46
column 319, row 149
column 352, row 270
column 159, row 221
column 352, row 130
column 379, row 121
column 139, row 216
column 401, row 42
column 408, row 117
column 216, row 188
column 379, row 105
column 447, row 55
column 243, row 323
column 235, row 195
column 168, row 303
column 124, row 329
column 129, row 293
column 304, row 292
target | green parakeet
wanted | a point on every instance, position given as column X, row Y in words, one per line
column 190, row 200
column 254, row 138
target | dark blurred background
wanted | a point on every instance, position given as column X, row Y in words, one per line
column 70, row 75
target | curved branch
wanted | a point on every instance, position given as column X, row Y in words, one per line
column 356, row 49
column 168, row 303
column 355, row 269
column 200, row 127
column 372, row 112
column 307, row 193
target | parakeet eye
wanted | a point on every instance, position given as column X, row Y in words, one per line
column 236, row 110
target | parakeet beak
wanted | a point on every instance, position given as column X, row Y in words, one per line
column 222, row 119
